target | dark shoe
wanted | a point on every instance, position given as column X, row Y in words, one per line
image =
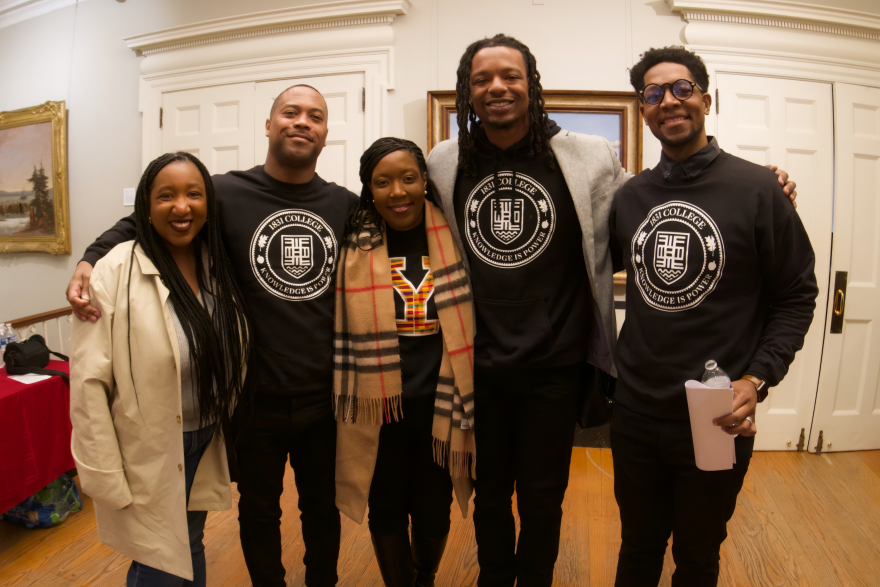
column 395, row 559
column 426, row 554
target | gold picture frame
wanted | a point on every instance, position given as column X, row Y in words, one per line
column 35, row 220
column 623, row 105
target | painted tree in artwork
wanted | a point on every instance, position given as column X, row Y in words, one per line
column 43, row 210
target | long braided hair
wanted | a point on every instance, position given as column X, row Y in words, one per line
column 539, row 122
column 219, row 345
column 365, row 218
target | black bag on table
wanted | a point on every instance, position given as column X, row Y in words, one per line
column 595, row 403
column 31, row 357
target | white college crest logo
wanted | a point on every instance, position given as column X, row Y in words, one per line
column 506, row 218
column 511, row 226
column 670, row 255
column 293, row 255
column 296, row 254
column 678, row 256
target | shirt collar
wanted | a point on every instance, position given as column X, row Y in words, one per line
column 693, row 165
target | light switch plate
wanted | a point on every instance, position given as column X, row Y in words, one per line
column 128, row 196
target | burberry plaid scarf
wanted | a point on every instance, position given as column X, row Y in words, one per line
column 367, row 383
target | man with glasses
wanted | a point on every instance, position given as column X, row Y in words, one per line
column 719, row 262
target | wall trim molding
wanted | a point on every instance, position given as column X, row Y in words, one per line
column 831, row 29
column 789, row 14
column 286, row 20
column 16, row 11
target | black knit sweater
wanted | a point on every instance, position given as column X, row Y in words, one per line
column 719, row 266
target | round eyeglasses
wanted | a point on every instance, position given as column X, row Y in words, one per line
column 682, row 89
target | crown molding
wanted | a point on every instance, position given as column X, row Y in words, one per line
column 16, row 11
column 787, row 14
column 257, row 24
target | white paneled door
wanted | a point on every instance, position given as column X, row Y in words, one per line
column 848, row 404
column 340, row 159
column 225, row 126
column 215, row 124
column 788, row 123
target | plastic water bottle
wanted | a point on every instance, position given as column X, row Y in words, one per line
column 715, row 377
column 11, row 334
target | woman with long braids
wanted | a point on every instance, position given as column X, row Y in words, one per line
column 403, row 382
column 154, row 381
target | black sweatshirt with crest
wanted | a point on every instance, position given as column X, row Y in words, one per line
column 524, row 245
column 719, row 266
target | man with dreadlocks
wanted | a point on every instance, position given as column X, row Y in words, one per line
column 528, row 203
column 281, row 225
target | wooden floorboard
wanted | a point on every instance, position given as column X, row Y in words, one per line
column 801, row 520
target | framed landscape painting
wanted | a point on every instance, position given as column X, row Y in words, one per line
column 34, row 213
column 613, row 115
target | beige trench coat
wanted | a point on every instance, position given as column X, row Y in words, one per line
column 128, row 446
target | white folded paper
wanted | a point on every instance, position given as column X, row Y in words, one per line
column 713, row 447
column 29, row 378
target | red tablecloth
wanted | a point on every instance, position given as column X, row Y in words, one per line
column 34, row 435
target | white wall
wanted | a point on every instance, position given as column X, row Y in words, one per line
column 77, row 54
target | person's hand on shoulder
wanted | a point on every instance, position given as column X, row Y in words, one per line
column 788, row 187
column 78, row 293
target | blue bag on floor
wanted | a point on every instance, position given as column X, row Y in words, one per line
column 49, row 506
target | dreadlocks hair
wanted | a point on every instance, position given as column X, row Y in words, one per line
column 219, row 344
column 539, row 122
column 365, row 217
column 670, row 54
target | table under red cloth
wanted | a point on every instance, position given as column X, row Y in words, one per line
column 34, row 435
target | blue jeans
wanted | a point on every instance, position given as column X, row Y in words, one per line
column 140, row 575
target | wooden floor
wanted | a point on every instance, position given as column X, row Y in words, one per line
column 800, row 520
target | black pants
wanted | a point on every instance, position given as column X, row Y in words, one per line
column 661, row 491
column 524, row 432
column 303, row 429
column 407, row 482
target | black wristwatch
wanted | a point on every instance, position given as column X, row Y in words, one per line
column 760, row 386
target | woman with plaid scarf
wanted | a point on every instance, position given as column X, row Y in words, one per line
column 403, row 369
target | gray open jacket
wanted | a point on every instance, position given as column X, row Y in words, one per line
column 593, row 175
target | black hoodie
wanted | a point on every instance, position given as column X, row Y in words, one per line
column 531, row 289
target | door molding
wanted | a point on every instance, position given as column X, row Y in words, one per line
column 348, row 36
column 376, row 64
column 285, row 20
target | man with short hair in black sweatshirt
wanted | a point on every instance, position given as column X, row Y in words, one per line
column 719, row 266
column 281, row 225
